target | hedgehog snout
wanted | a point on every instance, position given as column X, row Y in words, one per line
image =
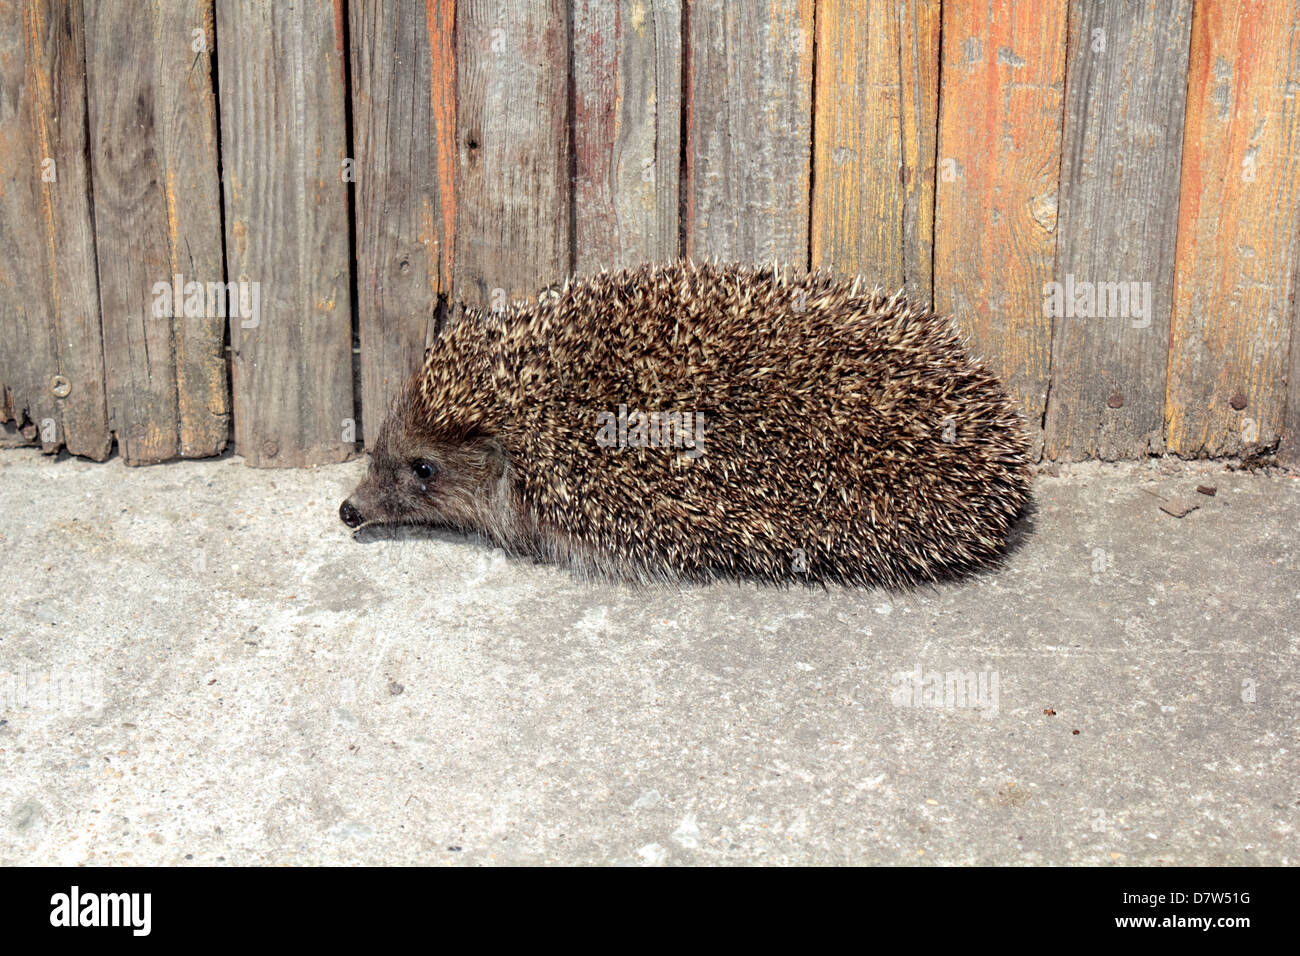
column 349, row 514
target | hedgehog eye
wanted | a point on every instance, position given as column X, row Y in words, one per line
column 423, row 469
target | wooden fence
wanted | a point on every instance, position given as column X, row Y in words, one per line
column 247, row 218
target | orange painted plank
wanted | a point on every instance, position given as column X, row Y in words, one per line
column 1000, row 107
column 1239, row 230
column 876, row 126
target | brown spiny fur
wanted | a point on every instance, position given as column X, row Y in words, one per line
column 847, row 436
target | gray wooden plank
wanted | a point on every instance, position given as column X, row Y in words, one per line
column 513, row 233
column 189, row 107
column 1126, row 94
column 154, row 157
column 627, row 79
column 404, row 136
column 51, row 361
column 1289, row 445
column 749, row 130
column 283, row 145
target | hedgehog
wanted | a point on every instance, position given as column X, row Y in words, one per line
column 690, row 422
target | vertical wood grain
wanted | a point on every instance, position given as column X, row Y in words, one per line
column 403, row 121
column 283, row 146
column 1289, row 447
column 627, row 78
column 1238, row 230
column 749, row 130
column 1000, row 116
column 512, row 125
column 876, row 127
column 1126, row 93
column 49, row 300
column 154, row 156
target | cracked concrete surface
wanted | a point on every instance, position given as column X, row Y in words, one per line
column 199, row 664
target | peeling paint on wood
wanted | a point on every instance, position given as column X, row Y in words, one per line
column 1000, row 109
column 1238, row 230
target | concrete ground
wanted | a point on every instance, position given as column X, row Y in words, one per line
column 198, row 663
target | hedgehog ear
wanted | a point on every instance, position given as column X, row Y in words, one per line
column 495, row 449
column 498, row 458
column 490, row 446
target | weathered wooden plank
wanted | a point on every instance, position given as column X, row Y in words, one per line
column 1238, row 230
column 1126, row 93
column 404, row 136
column 513, row 232
column 749, row 130
column 1289, row 447
column 51, row 361
column 1000, row 109
column 154, row 156
column 283, row 149
column 627, row 79
column 876, row 128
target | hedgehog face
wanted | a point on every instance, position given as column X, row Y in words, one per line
column 417, row 479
